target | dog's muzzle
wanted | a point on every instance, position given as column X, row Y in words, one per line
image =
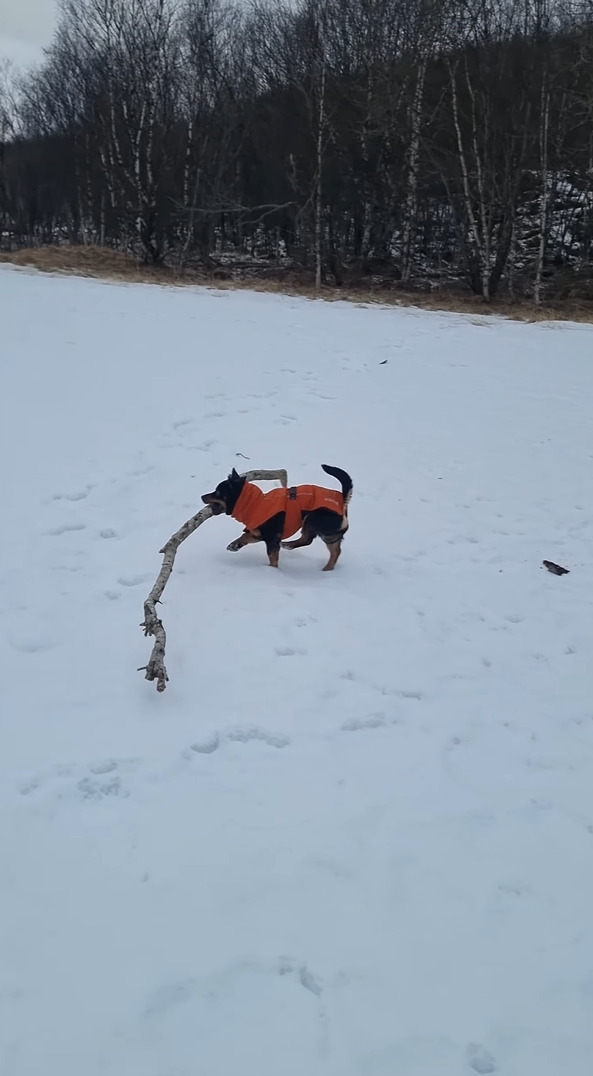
column 216, row 506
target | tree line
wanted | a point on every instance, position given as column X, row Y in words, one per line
column 412, row 142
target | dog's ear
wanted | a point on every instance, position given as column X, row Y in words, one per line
column 234, row 476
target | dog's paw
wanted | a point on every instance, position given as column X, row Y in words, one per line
column 234, row 547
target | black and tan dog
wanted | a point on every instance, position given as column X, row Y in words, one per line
column 271, row 517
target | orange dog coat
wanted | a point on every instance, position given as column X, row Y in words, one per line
column 255, row 507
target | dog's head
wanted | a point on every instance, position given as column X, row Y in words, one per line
column 226, row 494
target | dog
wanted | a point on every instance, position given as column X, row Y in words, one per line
column 272, row 517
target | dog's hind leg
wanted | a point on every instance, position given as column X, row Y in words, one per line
column 307, row 536
column 334, row 545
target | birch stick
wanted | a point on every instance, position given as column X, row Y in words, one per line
column 152, row 624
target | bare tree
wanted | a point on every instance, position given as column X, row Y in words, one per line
column 437, row 140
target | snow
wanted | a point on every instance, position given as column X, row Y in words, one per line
column 354, row 837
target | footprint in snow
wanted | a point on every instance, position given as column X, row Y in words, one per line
column 132, row 580
column 212, row 743
column 99, row 768
column 208, row 746
column 101, row 780
column 66, row 529
column 247, row 735
column 98, row 789
column 33, row 784
column 373, row 721
column 79, row 495
column 480, row 1059
column 307, row 979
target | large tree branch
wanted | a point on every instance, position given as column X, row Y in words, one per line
column 152, row 624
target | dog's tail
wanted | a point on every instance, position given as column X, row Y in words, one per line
column 344, row 480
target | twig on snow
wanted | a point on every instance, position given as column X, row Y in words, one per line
column 152, row 624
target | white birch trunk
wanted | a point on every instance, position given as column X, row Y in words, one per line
column 473, row 227
column 319, row 184
column 413, row 161
column 482, row 206
column 545, row 191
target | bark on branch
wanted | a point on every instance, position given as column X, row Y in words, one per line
column 152, row 624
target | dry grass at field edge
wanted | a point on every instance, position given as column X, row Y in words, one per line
column 106, row 264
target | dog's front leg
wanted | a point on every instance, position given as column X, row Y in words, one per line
column 271, row 532
column 247, row 538
column 273, row 551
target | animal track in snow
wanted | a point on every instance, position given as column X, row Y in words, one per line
column 373, row 721
column 246, row 735
column 66, row 529
column 100, row 768
column 401, row 694
column 208, row 746
column 102, row 779
column 308, row 980
column 319, row 395
column 95, row 789
column 205, row 446
column 33, row 784
column 80, row 495
column 168, row 996
column 239, row 735
column 131, row 580
column 514, row 889
column 480, row 1059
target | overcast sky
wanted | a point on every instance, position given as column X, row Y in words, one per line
column 25, row 27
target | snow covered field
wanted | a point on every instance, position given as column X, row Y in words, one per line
column 354, row 837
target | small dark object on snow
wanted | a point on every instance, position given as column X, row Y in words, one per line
column 555, row 568
column 384, row 363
